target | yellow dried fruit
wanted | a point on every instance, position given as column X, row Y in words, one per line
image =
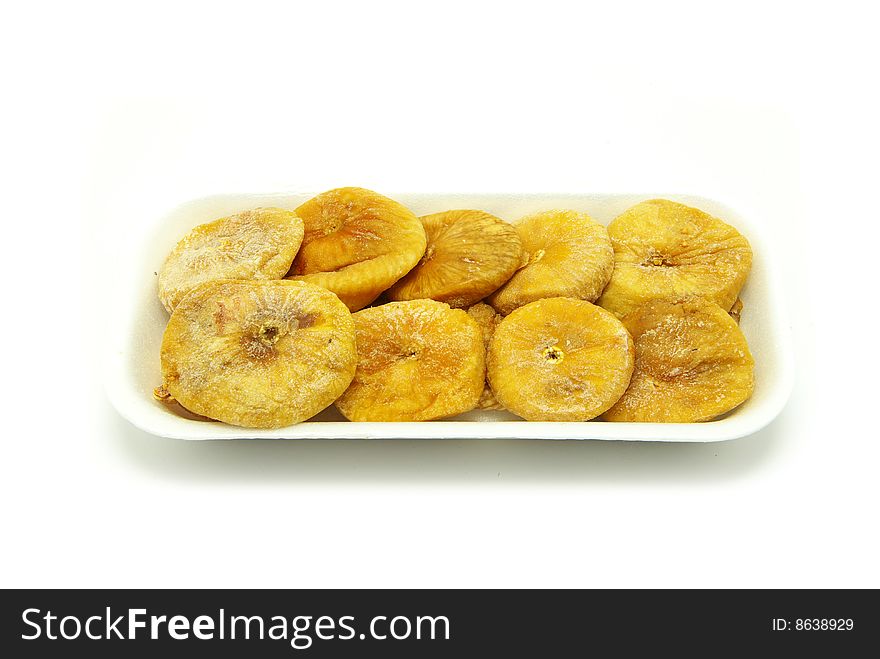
column 560, row 359
column 487, row 399
column 255, row 244
column 162, row 394
column 357, row 244
column 469, row 254
column 692, row 363
column 417, row 361
column 487, row 319
column 663, row 249
column 259, row 354
column 568, row 255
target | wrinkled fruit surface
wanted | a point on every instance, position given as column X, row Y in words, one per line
column 357, row 244
column 469, row 254
column 692, row 363
column 567, row 254
column 666, row 249
column 417, row 361
column 560, row 359
column 254, row 244
column 259, row 354
column 487, row 319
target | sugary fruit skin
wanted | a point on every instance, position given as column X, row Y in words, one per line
column 469, row 254
column 692, row 363
column 560, row 359
column 487, row 319
column 417, row 360
column 567, row 254
column 258, row 354
column 254, row 244
column 162, row 394
column 357, row 244
column 663, row 249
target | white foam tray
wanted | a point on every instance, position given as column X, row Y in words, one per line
column 132, row 370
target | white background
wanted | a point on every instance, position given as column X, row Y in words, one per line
column 766, row 106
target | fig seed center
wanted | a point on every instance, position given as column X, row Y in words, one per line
column 656, row 259
column 268, row 334
column 553, row 354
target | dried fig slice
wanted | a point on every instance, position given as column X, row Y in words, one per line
column 357, row 244
column 254, row 244
column 487, row 319
column 417, row 360
column 692, row 363
column 559, row 359
column 469, row 254
column 258, row 354
column 666, row 249
column 568, row 254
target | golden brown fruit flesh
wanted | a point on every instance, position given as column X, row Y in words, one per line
column 162, row 394
column 567, row 254
column 254, row 244
column 487, row 319
column 357, row 244
column 666, row 249
column 417, row 361
column 258, row 354
column 469, row 254
column 692, row 363
column 560, row 359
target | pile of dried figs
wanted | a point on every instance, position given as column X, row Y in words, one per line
column 351, row 299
